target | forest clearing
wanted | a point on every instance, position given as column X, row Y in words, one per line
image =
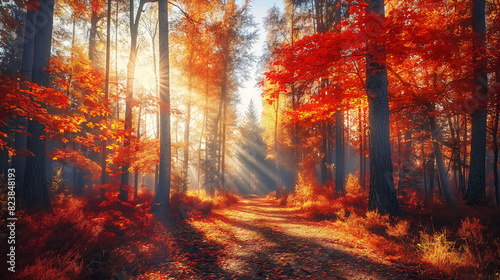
column 238, row 139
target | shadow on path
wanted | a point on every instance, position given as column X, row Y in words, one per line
column 257, row 239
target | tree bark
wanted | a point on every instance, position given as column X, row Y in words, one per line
column 136, row 173
column 339, row 153
column 476, row 190
column 134, row 29
column 20, row 139
column 35, row 191
column 106, row 89
column 93, row 34
column 276, row 149
column 443, row 178
column 162, row 197
column 495, row 144
column 187, row 122
column 382, row 193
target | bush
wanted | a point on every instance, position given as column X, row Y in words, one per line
column 439, row 251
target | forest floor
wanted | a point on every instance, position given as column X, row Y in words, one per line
column 258, row 239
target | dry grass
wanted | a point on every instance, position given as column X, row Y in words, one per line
column 197, row 203
column 431, row 236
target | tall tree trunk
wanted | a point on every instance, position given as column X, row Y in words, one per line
column 407, row 158
column 325, row 152
column 424, row 175
column 213, row 171
column 155, row 68
column 495, row 143
column 35, row 190
column 106, row 89
column 116, row 64
column 93, row 34
column 361, row 148
column 476, row 190
column 432, row 172
column 136, row 173
column 187, row 122
column 465, row 165
column 20, row 139
column 382, row 193
column 162, row 196
column 223, row 149
column 443, row 178
column 339, row 153
column 461, row 166
column 495, row 156
column 134, row 27
column 400, row 172
column 276, row 149
column 455, row 154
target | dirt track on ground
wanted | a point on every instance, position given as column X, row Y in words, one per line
column 258, row 239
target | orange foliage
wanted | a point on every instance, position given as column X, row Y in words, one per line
column 76, row 158
column 80, row 240
column 194, row 203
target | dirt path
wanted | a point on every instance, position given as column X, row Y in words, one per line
column 257, row 239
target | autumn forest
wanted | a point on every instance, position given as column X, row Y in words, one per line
column 132, row 147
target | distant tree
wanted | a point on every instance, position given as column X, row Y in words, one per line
column 134, row 32
column 233, row 34
column 255, row 172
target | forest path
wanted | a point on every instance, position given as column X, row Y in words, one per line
column 258, row 239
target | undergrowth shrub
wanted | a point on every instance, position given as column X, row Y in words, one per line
column 197, row 203
column 399, row 230
column 82, row 238
column 464, row 248
column 481, row 251
column 321, row 202
column 438, row 250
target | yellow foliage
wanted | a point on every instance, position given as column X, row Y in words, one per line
column 438, row 251
column 353, row 188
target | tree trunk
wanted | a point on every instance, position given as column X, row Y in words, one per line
column 35, row 190
column 432, row 172
column 361, row 148
column 116, row 64
column 424, row 175
column 400, row 173
column 155, row 68
column 339, row 153
column 325, row 153
column 443, row 178
column 187, row 121
column 476, row 190
column 461, row 167
column 106, row 89
column 495, row 156
column 20, row 139
column 223, row 149
column 382, row 193
column 134, row 26
column 276, row 149
column 162, row 196
column 93, row 34
column 495, row 143
column 136, row 173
